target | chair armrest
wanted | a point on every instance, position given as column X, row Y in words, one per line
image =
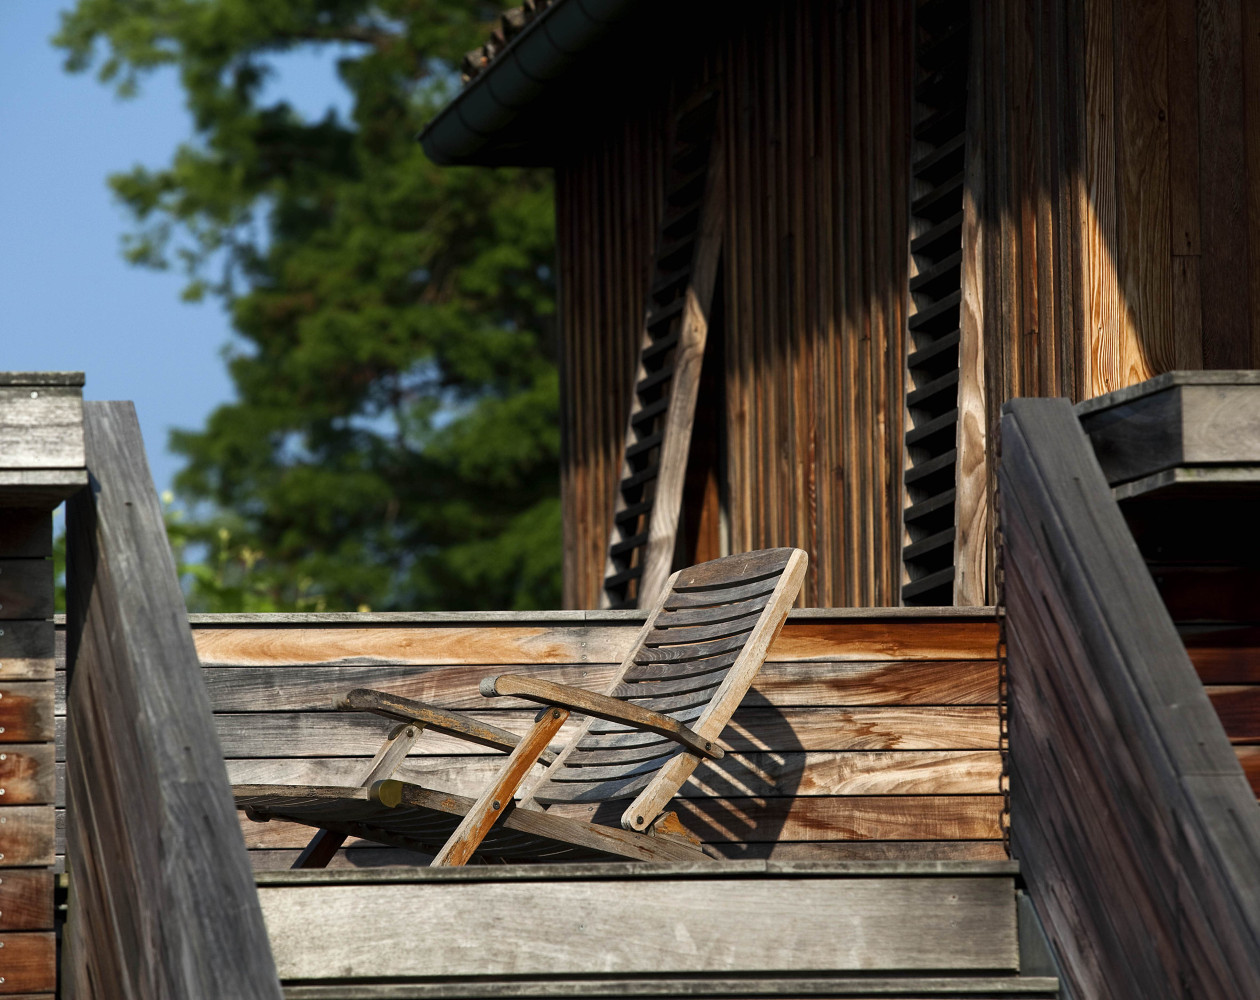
column 393, row 706
column 601, row 707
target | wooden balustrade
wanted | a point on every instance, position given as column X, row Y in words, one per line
column 163, row 902
column 1136, row 830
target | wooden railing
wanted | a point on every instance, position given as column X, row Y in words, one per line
column 163, row 900
column 1135, row 828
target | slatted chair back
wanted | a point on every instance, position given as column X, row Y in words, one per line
column 694, row 660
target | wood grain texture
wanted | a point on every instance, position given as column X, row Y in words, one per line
column 27, row 836
column 26, row 900
column 41, row 427
column 1109, row 721
column 26, row 650
column 804, row 639
column 26, row 711
column 27, row 775
column 655, row 926
column 164, row 901
column 29, row 962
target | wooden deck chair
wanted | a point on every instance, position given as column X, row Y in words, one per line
column 691, row 664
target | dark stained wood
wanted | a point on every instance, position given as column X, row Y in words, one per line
column 26, row 900
column 1124, row 784
column 29, row 962
column 27, row 775
column 26, row 588
column 26, row 712
column 26, row 650
column 27, row 834
column 25, row 533
column 164, row 904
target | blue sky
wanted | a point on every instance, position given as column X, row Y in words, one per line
column 68, row 300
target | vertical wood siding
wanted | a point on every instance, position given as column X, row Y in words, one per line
column 1116, row 198
column 814, row 272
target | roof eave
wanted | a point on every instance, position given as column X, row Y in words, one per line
column 528, row 69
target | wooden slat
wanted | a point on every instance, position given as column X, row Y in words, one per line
column 854, row 924
column 27, row 835
column 26, row 711
column 26, row 650
column 801, row 639
column 26, row 901
column 29, row 962
column 164, row 900
column 41, row 426
column 798, row 773
column 27, row 775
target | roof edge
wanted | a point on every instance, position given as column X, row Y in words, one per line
column 529, row 66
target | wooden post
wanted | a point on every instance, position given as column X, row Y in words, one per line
column 41, row 462
column 164, row 904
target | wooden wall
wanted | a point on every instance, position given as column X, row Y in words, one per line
column 1113, row 200
column 1171, row 170
column 814, row 277
column 866, row 736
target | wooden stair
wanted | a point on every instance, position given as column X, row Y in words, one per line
column 727, row 929
column 671, row 355
column 1182, row 454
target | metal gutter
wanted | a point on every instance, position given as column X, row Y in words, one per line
column 527, row 68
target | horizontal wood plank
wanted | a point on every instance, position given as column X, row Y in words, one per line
column 26, row 650
column 26, row 588
column 359, row 855
column 306, row 688
column 28, row 961
column 26, row 901
column 26, row 711
column 960, row 772
column 41, row 428
column 27, row 836
column 639, row 926
column 826, row 639
column 27, row 774
column 25, row 532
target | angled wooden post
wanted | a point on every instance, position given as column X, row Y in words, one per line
column 163, row 898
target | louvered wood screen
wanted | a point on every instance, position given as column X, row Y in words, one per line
column 649, row 495
column 942, row 34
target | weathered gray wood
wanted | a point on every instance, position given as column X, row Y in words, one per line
column 450, row 724
column 1178, row 419
column 599, row 706
column 41, row 426
column 643, row 925
column 960, row 987
column 164, row 904
column 1124, row 786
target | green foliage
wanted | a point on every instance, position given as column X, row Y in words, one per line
column 394, row 439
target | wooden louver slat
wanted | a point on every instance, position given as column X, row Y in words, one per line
column 648, row 499
column 936, row 208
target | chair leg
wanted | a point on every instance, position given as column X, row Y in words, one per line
column 494, row 801
column 397, row 745
column 320, row 850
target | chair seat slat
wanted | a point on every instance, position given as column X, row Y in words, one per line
column 711, row 615
column 677, row 600
column 689, row 634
